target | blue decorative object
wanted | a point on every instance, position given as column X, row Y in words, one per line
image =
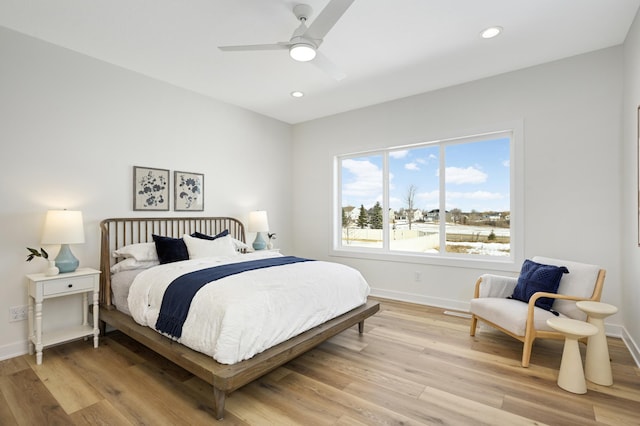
column 170, row 249
column 259, row 243
column 535, row 277
column 258, row 223
column 64, row 227
column 65, row 260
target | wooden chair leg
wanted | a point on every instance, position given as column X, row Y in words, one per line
column 526, row 350
column 474, row 325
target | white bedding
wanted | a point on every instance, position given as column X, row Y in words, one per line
column 236, row 317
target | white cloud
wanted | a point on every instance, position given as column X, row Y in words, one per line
column 428, row 196
column 506, row 163
column 399, row 154
column 457, row 175
column 367, row 179
column 412, row 167
column 476, row 195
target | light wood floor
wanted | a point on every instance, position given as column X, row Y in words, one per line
column 413, row 365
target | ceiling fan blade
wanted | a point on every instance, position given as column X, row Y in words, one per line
column 274, row 46
column 327, row 19
column 327, row 66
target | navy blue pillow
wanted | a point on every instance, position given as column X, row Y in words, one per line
column 170, row 249
column 209, row 237
column 536, row 277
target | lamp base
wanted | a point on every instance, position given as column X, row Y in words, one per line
column 65, row 260
column 259, row 243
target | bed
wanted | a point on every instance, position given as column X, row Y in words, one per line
column 120, row 233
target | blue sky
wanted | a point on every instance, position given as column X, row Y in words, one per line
column 477, row 177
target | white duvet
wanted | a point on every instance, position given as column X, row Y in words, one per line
column 236, row 317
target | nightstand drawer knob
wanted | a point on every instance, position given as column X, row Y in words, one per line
column 69, row 285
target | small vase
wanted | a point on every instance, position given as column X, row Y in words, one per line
column 52, row 269
column 269, row 245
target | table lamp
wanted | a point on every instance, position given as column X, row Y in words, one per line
column 64, row 227
column 258, row 223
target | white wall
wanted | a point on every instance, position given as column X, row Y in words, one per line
column 72, row 127
column 630, row 195
column 571, row 115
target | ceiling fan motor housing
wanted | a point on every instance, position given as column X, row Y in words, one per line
column 302, row 11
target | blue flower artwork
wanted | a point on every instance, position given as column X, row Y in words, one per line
column 189, row 191
column 150, row 188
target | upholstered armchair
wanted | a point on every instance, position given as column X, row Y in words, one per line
column 526, row 321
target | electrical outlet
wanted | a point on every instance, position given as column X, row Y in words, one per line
column 17, row 313
column 417, row 276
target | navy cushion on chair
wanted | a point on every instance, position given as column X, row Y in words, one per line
column 536, row 277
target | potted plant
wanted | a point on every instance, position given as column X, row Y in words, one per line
column 33, row 253
column 271, row 236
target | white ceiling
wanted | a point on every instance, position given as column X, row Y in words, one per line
column 388, row 49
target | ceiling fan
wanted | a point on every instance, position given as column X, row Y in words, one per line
column 305, row 41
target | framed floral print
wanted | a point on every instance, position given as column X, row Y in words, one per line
column 189, row 191
column 150, row 189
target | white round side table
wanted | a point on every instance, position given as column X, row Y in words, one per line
column 571, row 376
column 597, row 366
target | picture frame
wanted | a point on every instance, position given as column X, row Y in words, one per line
column 189, row 191
column 150, row 189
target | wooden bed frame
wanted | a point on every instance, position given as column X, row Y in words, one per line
column 224, row 378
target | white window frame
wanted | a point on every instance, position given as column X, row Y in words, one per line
column 510, row 263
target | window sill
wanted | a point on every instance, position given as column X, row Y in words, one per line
column 492, row 263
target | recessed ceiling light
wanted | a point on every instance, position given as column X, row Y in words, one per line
column 297, row 94
column 491, row 32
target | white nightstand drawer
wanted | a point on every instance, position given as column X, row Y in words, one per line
column 67, row 285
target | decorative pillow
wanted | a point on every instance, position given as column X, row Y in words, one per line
column 198, row 247
column 240, row 246
column 131, row 263
column 140, row 251
column 209, row 237
column 536, row 277
column 170, row 249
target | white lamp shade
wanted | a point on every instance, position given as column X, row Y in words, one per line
column 258, row 221
column 63, row 227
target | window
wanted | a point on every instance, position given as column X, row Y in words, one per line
column 444, row 199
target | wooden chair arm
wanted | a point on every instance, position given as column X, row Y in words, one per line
column 538, row 295
column 476, row 292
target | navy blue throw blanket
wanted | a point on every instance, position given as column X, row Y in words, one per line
column 178, row 296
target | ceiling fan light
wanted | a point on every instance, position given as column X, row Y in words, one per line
column 302, row 52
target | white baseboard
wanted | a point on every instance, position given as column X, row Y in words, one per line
column 422, row 300
column 13, row 350
column 633, row 346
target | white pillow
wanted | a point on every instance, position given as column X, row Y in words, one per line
column 131, row 263
column 198, row 247
column 240, row 245
column 141, row 252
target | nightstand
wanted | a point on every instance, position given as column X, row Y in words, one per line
column 42, row 287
